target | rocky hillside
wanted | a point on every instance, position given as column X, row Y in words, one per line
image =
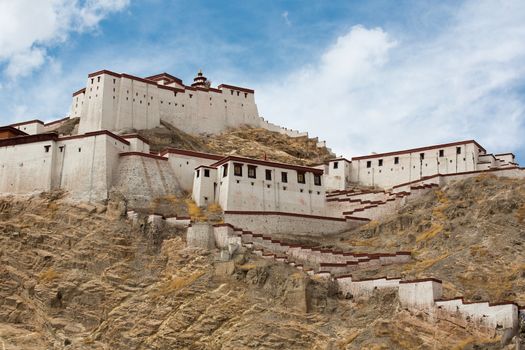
column 82, row 277
column 470, row 234
column 247, row 142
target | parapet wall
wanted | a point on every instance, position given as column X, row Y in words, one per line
column 444, row 179
column 289, row 132
column 425, row 294
column 277, row 222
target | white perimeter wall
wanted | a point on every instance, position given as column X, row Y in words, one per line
column 411, row 167
column 276, row 223
column 27, row 167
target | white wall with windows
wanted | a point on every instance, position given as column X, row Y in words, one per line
column 243, row 184
column 390, row 169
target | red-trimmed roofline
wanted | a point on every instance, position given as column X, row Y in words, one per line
column 13, row 130
column 122, row 75
column 141, row 154
column 135, row 136
column 205, row 166
column 28, row 122
column 506, row 154
column 268, row 163
column 430, row 279
column 81, row 91
column 338, row 159
column 149, row 80
column 95, row 133
column 20, row 140
column 171, row 88
column 104, row 71
column 420, row 149
column 191, row 153
column 165, row 75
column 233, row 87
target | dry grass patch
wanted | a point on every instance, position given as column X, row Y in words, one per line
column 520, row 214
column 48, row 275
column 194, row 211
column 176, row 283
column 247, row 267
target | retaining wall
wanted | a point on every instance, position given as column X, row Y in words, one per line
column 297, row 224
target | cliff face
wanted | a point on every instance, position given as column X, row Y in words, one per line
column 82, row 277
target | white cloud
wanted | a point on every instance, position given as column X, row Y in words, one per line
column 284, row 15
column 22, row 63
column 371, row 91
column 29, row 27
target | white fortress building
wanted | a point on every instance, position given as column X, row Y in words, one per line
column 107, row 155
column 117, row 102
column 258, row 197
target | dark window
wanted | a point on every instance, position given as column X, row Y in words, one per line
column 380, row 162
column 441, row 152
column 206, row 172
column 421, row 155
column 336, row 165
column 231, row 92
column 458, row 150
column 301, row 178
column 79, row 149
column 46, row 148
column 317, row 179
column 268, row 174
column 225, row 170
column 91, row 80
column 237, row 169
column 114, row 81
column 284, row 177
column 251, row 171
column 368, row 163
column 61, row 148
column 396, row 160
column 198, row 172
column 98, row 79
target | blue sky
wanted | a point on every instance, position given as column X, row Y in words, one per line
column 363, row 75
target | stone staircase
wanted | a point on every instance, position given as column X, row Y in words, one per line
column 421, row 295
column 311, row 259
column 371, row 204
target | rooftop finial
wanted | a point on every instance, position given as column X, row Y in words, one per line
column 200, row 80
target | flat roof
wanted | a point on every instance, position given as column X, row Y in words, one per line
column 420, row 149
column 13, row 130
column 33, row 121
column 268, row 163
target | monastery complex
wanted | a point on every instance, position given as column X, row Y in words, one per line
column 259, row 197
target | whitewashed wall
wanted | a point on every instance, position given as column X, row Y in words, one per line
column 258, row 194
column 411, row 167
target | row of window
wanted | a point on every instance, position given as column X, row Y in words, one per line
column 61, row 148
column 396, row 159
column 252, row 174
column 115, row 80
column 238, row 93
